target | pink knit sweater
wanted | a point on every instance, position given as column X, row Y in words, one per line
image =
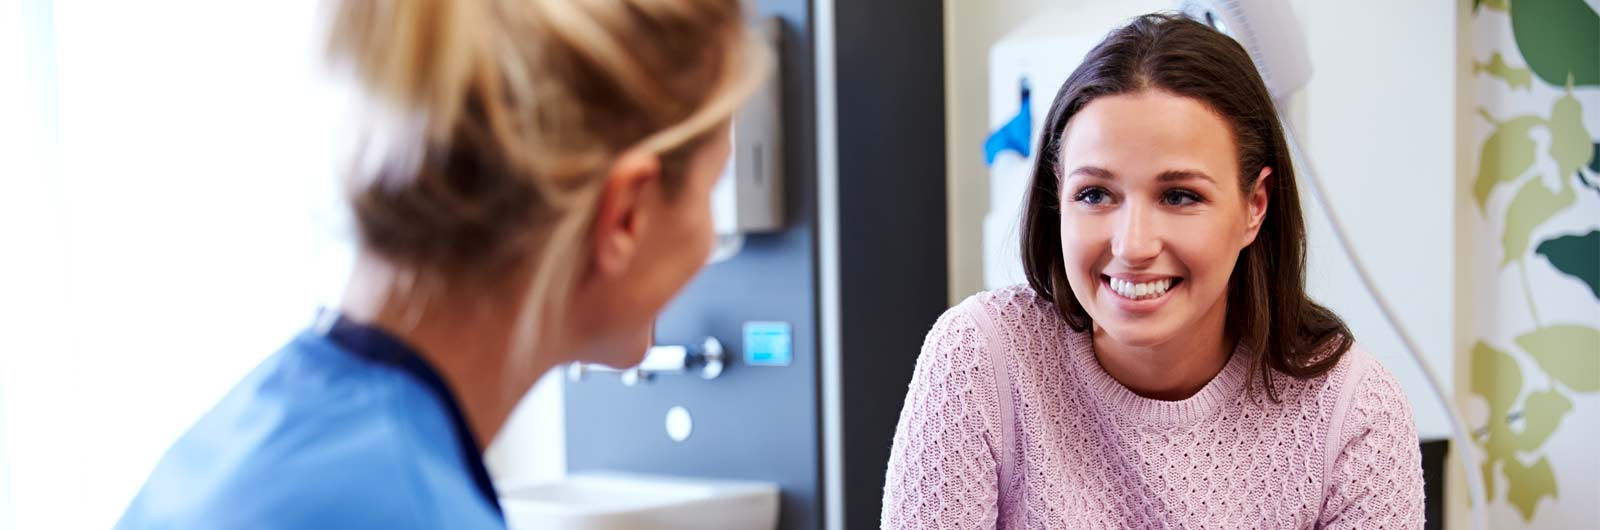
column 1012, row 423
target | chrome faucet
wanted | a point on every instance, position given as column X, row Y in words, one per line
column 708, row 359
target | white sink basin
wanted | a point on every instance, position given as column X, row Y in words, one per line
column 623, row 501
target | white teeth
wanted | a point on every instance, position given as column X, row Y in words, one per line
column 1140, row 290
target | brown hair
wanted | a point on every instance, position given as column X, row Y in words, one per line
column 494, row 121
column 1268, row 310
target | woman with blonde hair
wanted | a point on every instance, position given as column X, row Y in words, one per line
column 531, row 187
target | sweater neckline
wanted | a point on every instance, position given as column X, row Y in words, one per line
column 1217, row 393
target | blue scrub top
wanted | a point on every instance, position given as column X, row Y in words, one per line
column 344, row 428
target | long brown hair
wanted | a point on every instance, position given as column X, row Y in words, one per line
column 1268, row 310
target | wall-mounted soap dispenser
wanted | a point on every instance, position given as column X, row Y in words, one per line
column 748, row 196
column 831, row 268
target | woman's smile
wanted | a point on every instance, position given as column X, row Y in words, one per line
column 1140, row 294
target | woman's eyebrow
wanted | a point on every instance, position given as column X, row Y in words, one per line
column 1171, row 175
column 1093, row 172
column 1176, row 175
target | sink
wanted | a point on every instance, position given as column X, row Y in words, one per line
column 628, row 501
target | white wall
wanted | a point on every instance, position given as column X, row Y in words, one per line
column 971, row 26
column 1380, row 121
column 1379, row 118
column 169, row 216
column 14, row 144
column 161, row 237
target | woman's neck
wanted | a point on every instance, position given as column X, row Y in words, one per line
column 1170, row 371
column 467, row 339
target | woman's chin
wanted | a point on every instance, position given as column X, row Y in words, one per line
column 1142, row 334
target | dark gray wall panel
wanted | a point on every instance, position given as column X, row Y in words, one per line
column 893, row 265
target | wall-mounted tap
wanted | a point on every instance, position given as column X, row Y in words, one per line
column 708, row 359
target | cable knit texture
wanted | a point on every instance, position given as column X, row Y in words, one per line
column 1011, row 423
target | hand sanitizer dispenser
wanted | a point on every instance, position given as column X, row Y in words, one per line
column 748, row 197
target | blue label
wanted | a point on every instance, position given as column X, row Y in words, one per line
column 767, row 344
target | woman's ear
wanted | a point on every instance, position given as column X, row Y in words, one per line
column 620, row 217
column 1257, row 202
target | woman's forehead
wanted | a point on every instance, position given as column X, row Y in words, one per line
column 1148, row 135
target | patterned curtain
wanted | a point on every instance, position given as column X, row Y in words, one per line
column 1533, row 259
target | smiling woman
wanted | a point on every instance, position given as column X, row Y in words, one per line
column 1155, row 240
column 1163, row 367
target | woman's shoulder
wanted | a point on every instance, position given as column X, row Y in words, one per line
column 1352, row 393
column 984, row 322
column 307, row 441
column 1011, row 310
column 1371, row 438
column 1368, row 386
column 1018, row 297
column 1007, row 323
column 1357, row 370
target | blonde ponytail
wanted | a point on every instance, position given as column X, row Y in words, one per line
column 411, row 54
column 499, row 117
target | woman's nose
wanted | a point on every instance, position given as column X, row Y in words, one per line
column 1137, row 239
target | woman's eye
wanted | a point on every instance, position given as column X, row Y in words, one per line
column 1179, row 198
column 1092, row 196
